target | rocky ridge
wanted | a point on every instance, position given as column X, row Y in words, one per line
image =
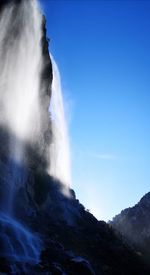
column 133, row 224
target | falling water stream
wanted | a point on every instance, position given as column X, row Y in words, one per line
column 59, row 149
column 20, row 114
column 20, row 72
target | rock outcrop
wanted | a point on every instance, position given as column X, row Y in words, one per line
column 134, row 225
column 73, row 241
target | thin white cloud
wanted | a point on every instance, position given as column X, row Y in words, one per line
column 103, row 156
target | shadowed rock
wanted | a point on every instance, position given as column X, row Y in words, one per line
column 134, row 225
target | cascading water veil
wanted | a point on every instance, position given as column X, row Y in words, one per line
column 17, row 242
column 20, row 116
column 20, row 55
column 26, row 131
column 59, row 149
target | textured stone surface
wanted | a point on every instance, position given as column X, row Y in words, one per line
column 134, row 224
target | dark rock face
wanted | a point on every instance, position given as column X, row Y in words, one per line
column 134, row 224
column 6, row 2
column 74, row 242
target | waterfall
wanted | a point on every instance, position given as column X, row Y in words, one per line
column 24, row 124
column 20, row 116
column 20, row 69
column 17, row 242
column 59, row 149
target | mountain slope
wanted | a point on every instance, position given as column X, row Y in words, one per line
column 74, row 242
column 134, row 224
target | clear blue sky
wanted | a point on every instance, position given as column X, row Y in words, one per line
column 102, row 49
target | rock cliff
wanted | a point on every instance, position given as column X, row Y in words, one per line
column 134, row 225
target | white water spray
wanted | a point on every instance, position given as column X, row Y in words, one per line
column 20, row 67
column 20, row 74
column 22, row 117
column 59, row 149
